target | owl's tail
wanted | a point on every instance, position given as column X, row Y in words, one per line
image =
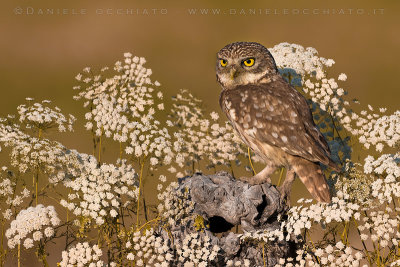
column 311, row 175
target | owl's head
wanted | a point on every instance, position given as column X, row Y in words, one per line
column 243, row 63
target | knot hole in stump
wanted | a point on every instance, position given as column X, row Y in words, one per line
column 219, row 224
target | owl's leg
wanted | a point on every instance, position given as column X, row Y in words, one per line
column 261, row 177
column 286, row 187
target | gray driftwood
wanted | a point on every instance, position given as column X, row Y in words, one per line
column 226, row 203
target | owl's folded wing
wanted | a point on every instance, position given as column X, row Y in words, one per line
column 278, row 116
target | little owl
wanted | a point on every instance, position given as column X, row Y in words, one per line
column 272, row 118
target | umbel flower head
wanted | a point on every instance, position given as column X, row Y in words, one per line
column 197, row 250
column 31, row 153
column 100, row 191
column 387, row 186
column 303, row 216
column 148, row 249
column 38, row 221
column 175, row 206
column 39, row 116
column 123, row 106
column 82, row 254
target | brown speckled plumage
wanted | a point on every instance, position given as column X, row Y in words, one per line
column 273, row 119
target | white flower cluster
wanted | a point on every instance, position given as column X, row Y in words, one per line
column 100, row 192
column 32, row 220
column 8, row 196
column 338, row 255
column 387, row 187
column 149, row 250
column 327, row 93
column 204, row 138
column 196, row 250
column 83, row 255
column 40, row 116
column 299, row 59
column 121, row 108
column 49, row 156
column 303, row 217
column 333, row 256
column 31, row 153
column 381, row 227
column 375, row 129
column 175, row 206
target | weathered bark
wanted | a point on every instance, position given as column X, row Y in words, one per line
column 224, row 203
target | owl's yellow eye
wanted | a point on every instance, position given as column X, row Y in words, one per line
column 223, row 62
column 249, row 62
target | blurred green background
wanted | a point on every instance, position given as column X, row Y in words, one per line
column 42, row 53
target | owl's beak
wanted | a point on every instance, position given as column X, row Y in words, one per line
column 233, row 74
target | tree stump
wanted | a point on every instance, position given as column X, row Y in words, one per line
column 224, row 203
